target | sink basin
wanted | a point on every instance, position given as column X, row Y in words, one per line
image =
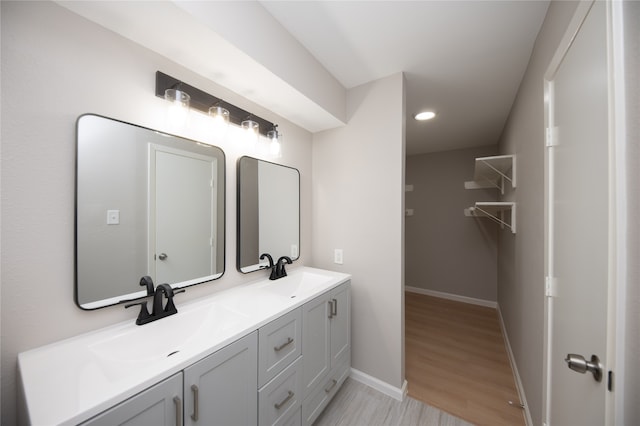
column 168, row 336
column 297, row 284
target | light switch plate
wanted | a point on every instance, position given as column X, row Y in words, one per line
column 113, row 217
column 337, row 256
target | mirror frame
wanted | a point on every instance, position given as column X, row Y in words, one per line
column 221, row 236
column 238, row 214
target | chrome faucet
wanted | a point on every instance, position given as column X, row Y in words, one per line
column 163, row 290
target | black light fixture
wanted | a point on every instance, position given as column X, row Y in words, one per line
column 209, row 104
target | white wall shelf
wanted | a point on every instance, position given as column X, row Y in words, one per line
column 491, row 172
column 501, row 212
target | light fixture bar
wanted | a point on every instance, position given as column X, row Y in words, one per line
column 202, row 101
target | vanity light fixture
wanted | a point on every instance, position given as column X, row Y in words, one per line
column 424, row 115
column 205, row 102
column 275, row 139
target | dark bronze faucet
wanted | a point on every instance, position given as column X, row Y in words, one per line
column 277, row 269
column 163, row 290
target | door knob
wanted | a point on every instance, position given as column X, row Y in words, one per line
column 162, row 256
column 581, row 365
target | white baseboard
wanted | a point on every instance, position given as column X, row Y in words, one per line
column 379, row 385
column 442, row 295
column 514, row 367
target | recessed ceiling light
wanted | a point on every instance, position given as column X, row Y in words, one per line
column 425, row 115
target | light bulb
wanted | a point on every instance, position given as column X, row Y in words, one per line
column 178, row 110
column 425, row 115
column 274, row 139
column 251, row 130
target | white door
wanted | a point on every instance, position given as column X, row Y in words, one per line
column 183, row 222
column 578, row 223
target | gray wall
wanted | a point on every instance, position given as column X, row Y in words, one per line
column 521, row 264
column 55, row 67
column 445, row 250
column 358, row 181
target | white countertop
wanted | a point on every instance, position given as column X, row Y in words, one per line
column 70, row 381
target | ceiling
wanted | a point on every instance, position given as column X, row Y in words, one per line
column 462, row 59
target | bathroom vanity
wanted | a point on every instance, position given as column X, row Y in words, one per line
column 263, row 353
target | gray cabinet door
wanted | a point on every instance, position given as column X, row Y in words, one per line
column 315, row 342
column 222, row 388
column 160, row 405
column 340, row 323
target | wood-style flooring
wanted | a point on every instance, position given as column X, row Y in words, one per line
column 456, row 360
column 356, row 404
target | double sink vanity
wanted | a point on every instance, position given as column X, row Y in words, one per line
column 269, row 352
column 263, row 353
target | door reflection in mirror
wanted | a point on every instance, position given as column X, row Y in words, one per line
column 182, row 215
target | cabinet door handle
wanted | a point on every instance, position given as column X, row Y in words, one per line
column 334, row 382
column 281, row 404
column 195, row 414
column 284, row 345
column 331, row 308
column 178, row 402
column 335, row 308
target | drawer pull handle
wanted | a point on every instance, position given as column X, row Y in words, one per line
column 335, row 308
column 331, row 308
column 281, row 404
column 195, row 414
column 334, row 382
column 178, row 402
column 284, row 345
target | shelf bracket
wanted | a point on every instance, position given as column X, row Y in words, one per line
column 492, row 172
column 502, row 175
column 473, row 212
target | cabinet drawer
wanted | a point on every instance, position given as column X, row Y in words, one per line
column 280, row 398
column 321, row 395
column 279, row 344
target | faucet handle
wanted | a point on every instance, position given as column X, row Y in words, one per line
column 170, row 306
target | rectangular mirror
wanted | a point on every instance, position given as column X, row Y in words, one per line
column 268, row 212
column 147, row 203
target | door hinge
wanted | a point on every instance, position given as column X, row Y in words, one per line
column 551, row 136
column 550, row 287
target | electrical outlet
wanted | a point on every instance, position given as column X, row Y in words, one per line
column 337, row 256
